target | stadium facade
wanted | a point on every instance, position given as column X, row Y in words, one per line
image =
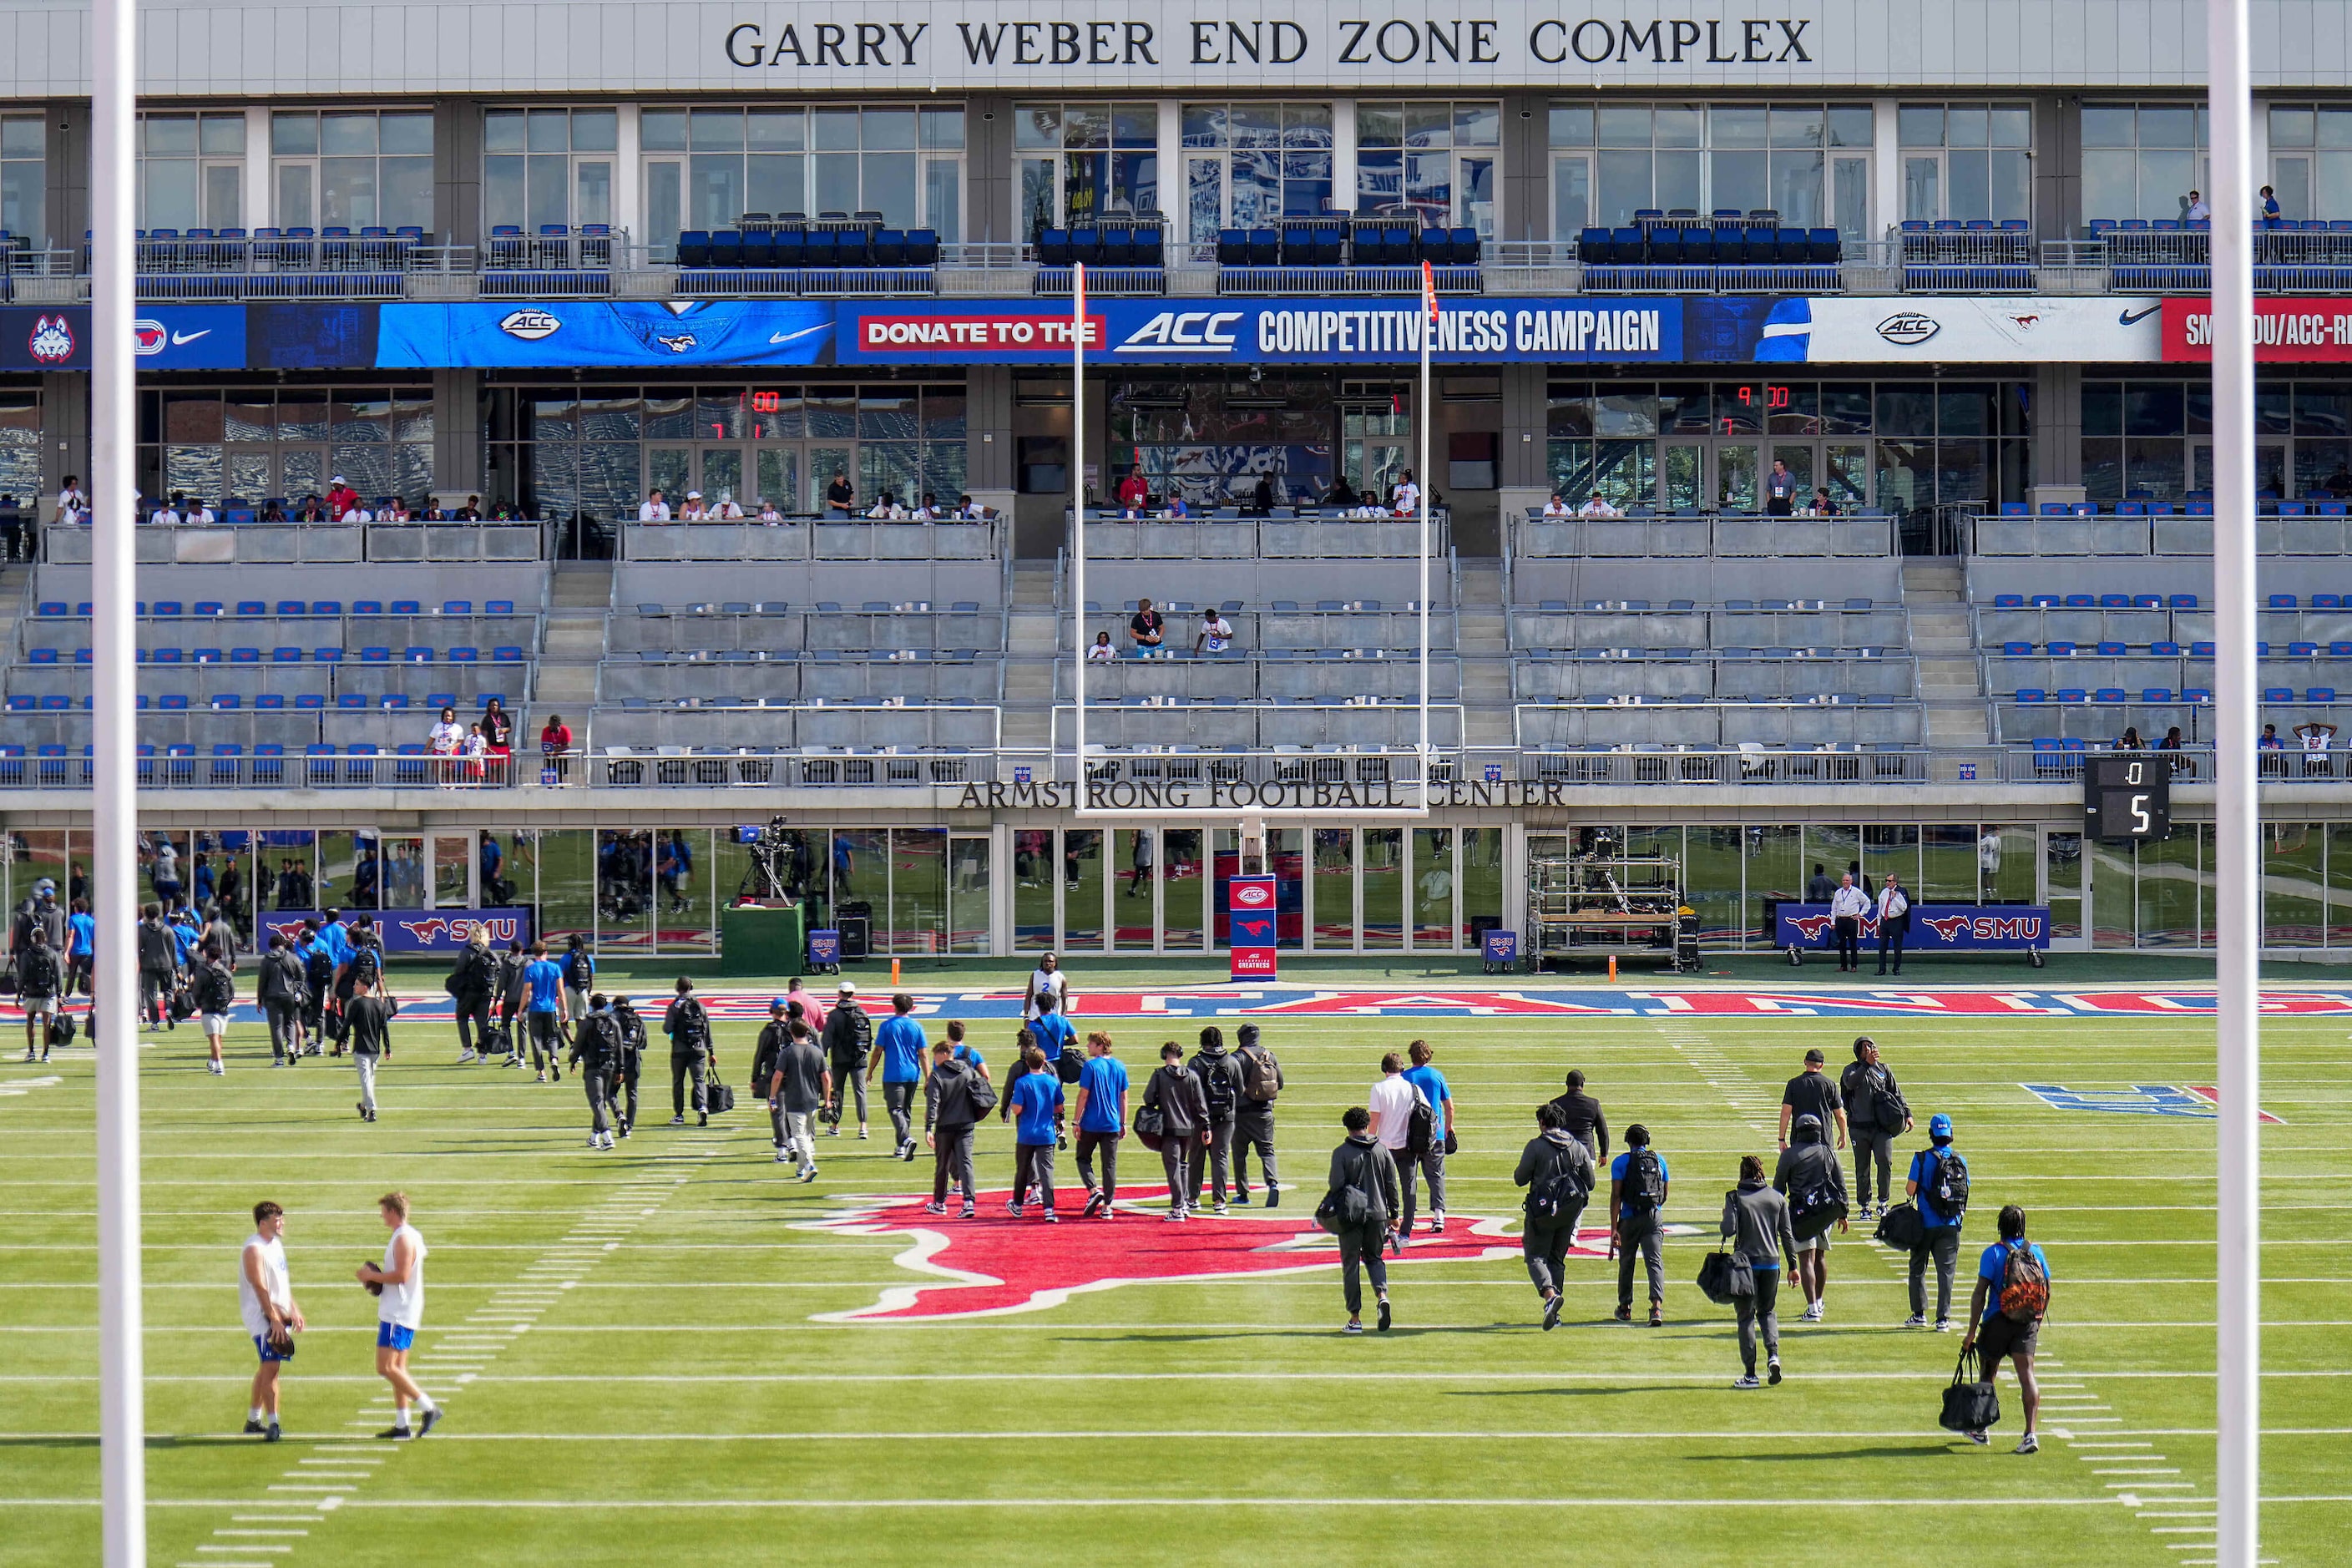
column 1939, row 264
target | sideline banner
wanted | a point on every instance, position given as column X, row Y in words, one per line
column 417, row 931
column 1935, row 927
column 1250, row 902
column 2286, row 331
column 615, row 333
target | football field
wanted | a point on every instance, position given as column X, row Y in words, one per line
column 676, row 1352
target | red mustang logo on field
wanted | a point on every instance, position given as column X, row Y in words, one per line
column 997, row 1264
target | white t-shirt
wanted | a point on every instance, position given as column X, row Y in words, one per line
column 1391, row 1103
column 446, row 738
column 1596, row 509
column 274, row 1279
column 653, row 512
column 2314, row 739
column 1219, row 632
column 203, row 516
column 1041, row 982
column 165, row 517
column 356, row 514
column 403, row 1304
column 1555, row 507
column 1408, row 498
column 1101, row 653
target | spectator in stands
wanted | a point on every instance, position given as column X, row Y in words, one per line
column 1405, row 500
column 497, row 726
column 930, row 511
column 73, row 502
column 2171, row 741
column 171, row 513
column 312, row 509
column 2340, row 483
column 1102, row 652
column 840, row 495
column 1558, row 506
column 2316, row 737
column 2269, row 208
column 2129, row 739
column 356, row 512
column 693, row 510
column 477, row 752
column 769, row 514
column 340, row 497
column 1341, row 495
column 1821, row 505
column 1145, row 626
column 555, row 746
column 2195, row 210
column 1262, row 495
column 1133, row 494
column 446, row 741
column 1597, row 506
column 472, row 511
column 728, row 510
column 654, row 509
column 1216, row 633
column 435, row 511
column 972, row 510
column 1175, row 511
column 396, row 512
column 272, row 511
column 1779, row 491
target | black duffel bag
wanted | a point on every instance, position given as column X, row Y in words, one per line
column 1971, row 1403
column 1901, row 1227
column 1724, row 1277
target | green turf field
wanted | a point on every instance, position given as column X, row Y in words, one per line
column 626, row 1346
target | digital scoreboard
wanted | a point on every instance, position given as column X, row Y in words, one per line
column 2127, row 797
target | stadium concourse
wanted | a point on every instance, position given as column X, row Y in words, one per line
column 679, row 1339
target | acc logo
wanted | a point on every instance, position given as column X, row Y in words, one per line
column 52, row 341
column 1184, row 331
column 149, row 338
column 1908, row 328
column 531, row 325
column 1253, row 894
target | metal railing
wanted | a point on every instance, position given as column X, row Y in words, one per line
column 814, row 538
column 313, row 543
column 2186, row 536
column 1695, row 535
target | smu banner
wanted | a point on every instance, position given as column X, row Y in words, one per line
column 1935, row 927
column 2306, row 332
column 604, row 332
column 419, row 931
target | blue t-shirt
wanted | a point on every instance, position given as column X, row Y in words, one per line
column 185, row 939
column 1431, row 1084
column 1923, row 1171
column 963, row 1053
column 545, row 977
column 1990, row 1267
column 1052, row 1032
column 81, row 935
column 1617, row 1166
column 900, row 1041
column 1104, row 1081
column 1037, row 1097
column 337, row 941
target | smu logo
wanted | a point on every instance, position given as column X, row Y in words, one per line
column 429, row 932
column 149, row 338
column 1184, row 331
column 1986, row 928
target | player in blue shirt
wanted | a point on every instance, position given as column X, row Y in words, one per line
column 1994, row 1329
column 1637, row 1197
column 1102, row 1122
column 1036, row 1104
column 959, row 1051
column 544, row 1013
column 1940, row 1238
column 335, row 938
column 1052, row 1031
column 900, row 1049
column 1432, row 1087
column 82, row 947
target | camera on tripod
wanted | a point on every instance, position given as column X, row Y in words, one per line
column 769, row 874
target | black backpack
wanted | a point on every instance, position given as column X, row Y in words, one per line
column 1217, row 1087
column 1949, row 1187
column 1558, row 1191
column 693, row 1032
column 1645, row 1183
column 215, row 989
column 319, row 969
column 1421, row 1126
column 367, row 967
column 1071, row 1065
column 579, row 974
column 37, row 971
column 633, row 1027
column 1887, row 1101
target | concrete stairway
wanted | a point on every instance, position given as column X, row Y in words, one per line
column 572, row 641
column 1031, row 640
column 1951, row 682
column 1482, row 637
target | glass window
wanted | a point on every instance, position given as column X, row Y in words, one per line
column 1965, row 161
column 353, row 169
column 1443, row 166
column 2141, row 161
column 23, row 191
column 902, row 162
column 1702, row 158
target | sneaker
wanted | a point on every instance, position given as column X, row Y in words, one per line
column 1437, row 1223
column 861, row 1134
column 512, row 1062
column 1943, row 1325
column 1050, row 1218
column 1812, row 1314
column 2029, row 1444
column 596, row 1139
column 808, row 1175
column 928, row 1208
column 1657, row 1316
column 971, row 1211
column 833, row 1130
column 253, row 1428
column 1274, row 1197
column 30, row 1054
column 542, row 1078
column 362, row 1108
column 1219, row 1211
column 275, row 1436
column 216, row 1068
column 1241, row 1198
column 1746, row 1380
column 1174, row 1214
column 1552, row 1312
column 398, row 1435
column 625, row 1130
column 1625, row 1313
column 432, row 1419
column 1384, row 1315
column 1094, row 1202
column 909, row 1155
column 1978, row 1438
column 782, row 1155
column 465, row 1057
column 677, row 1120
column 1354, row 1327
column 703, row 1121
column 555, row 1074
column 1915, row 1320
column 1396, row 1242
column 1772, row 1372
column 1014, row 1209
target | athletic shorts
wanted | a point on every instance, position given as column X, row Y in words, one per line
column 34, row 1006
column 216, row 1025
column 261, row 1343
column 1999, row 1337
column 1814, row 1244
column 393, row 1337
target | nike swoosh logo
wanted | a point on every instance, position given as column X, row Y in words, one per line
column 790, row 337
column 2128, row 317
column 178, row 338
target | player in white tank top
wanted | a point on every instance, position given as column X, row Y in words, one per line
column 400, row 1312
column 264, row 1300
